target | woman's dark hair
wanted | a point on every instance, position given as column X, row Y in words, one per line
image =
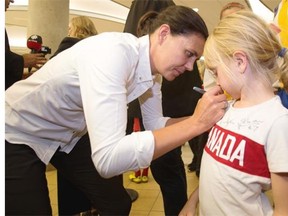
column 182, row 20
column 145, row 23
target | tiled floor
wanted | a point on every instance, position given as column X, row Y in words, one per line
column 149, row 202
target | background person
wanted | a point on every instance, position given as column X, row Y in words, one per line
column 80, row 27
column 139, row 7
column 15, row 64
column 178, row 100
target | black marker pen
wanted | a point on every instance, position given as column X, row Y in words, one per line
column 199, row 90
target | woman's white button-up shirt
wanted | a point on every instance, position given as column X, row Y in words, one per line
column 88, row 87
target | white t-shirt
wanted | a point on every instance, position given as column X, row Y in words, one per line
column 88, row 86
column 242, row 150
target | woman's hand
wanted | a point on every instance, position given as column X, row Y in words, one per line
column 211, row 107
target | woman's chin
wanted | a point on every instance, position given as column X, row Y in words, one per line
column 170, row 78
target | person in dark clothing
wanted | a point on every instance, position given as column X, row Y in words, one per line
column 66, row 43
column 15, row 63
column 178, row 100
column 138, row 8
column 79, row 28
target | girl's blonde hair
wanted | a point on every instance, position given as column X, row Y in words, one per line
column 244, row 31
column 83, row 27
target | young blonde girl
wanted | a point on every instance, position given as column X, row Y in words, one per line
column 246, row 152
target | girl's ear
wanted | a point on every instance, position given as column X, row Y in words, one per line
column 241, row 61
column 164, row 31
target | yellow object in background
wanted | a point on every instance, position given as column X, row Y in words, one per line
column 281, row 20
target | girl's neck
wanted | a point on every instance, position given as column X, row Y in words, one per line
column 253, row 96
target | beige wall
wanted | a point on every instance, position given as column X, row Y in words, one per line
column 19, row 18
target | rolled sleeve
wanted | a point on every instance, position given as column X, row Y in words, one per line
column 132, row 152
column 144, row 149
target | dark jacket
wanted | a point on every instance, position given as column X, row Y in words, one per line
column 14, row 65
column 66, row 43
column 178, row 97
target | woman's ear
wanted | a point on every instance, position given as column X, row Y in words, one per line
column 164, row 31
column 241, row 61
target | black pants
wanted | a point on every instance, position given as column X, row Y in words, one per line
column 169, row 172
column 26, row 191
column 71, row 200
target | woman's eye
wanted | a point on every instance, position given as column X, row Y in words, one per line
column 189, row 54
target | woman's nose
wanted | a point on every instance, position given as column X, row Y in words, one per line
column 189, row 64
